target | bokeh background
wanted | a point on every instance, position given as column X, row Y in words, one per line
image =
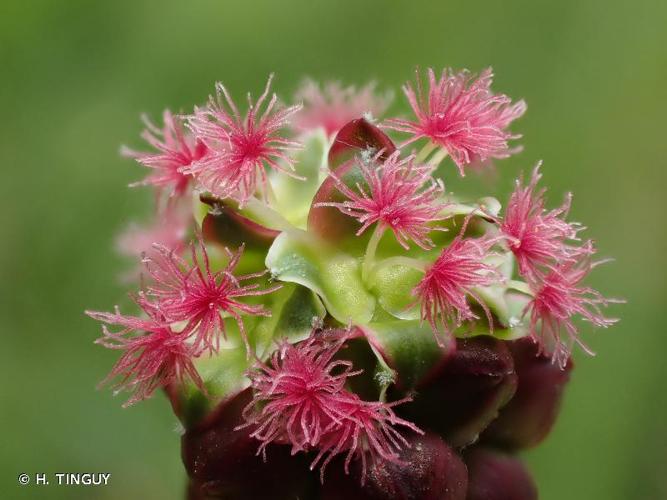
column 74, row 77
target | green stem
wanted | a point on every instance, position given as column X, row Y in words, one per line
column 384, row 375
column 425, row 151
column 272, row 201
column 438, row 157
column 369, row 256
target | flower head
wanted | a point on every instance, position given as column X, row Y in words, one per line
column 558, row 298
column 398, row 195
column 197, row 295
column 333, row 106
column 537, row 237
column 240, row 147
column 154, row 355
column 455, row 274
column 176, row 150
column 300, row 399
column 462, row 115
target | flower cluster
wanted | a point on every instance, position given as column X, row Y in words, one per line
column 308, row 285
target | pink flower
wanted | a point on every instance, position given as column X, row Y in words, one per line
column 298, row 394
column 398, row 195
column 451, row 278
column 333, row 106
column 537, row 237
column 200, row 297
column 240, row 147
column 369, row 429
column 462, row 115
column 300, row 399
column 558, row 298
column 176, row 149
column 168, row 230
column 154, row 358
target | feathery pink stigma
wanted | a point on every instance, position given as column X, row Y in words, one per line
column 300, row 399
column 537, row 237
column 297, row 395
column 199, row 296
column 451, row 278
column 369, row 430
column 154, row 358
column 176, row 149
column 462, row 115
column 558, row 298
column 395, row 197
column 241, row 147
column 333, row 106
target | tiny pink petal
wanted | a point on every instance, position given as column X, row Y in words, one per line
column 297, row 394
column 368, row 432
column 300, row 399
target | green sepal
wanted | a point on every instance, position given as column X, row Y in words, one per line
column 407, row 347
column 393, row 287
column 501, row 301
column 299, row 257
column 293, row 196
column 223, row 374
column 295, row 313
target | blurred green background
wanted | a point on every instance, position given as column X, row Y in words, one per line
column 75, row 75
